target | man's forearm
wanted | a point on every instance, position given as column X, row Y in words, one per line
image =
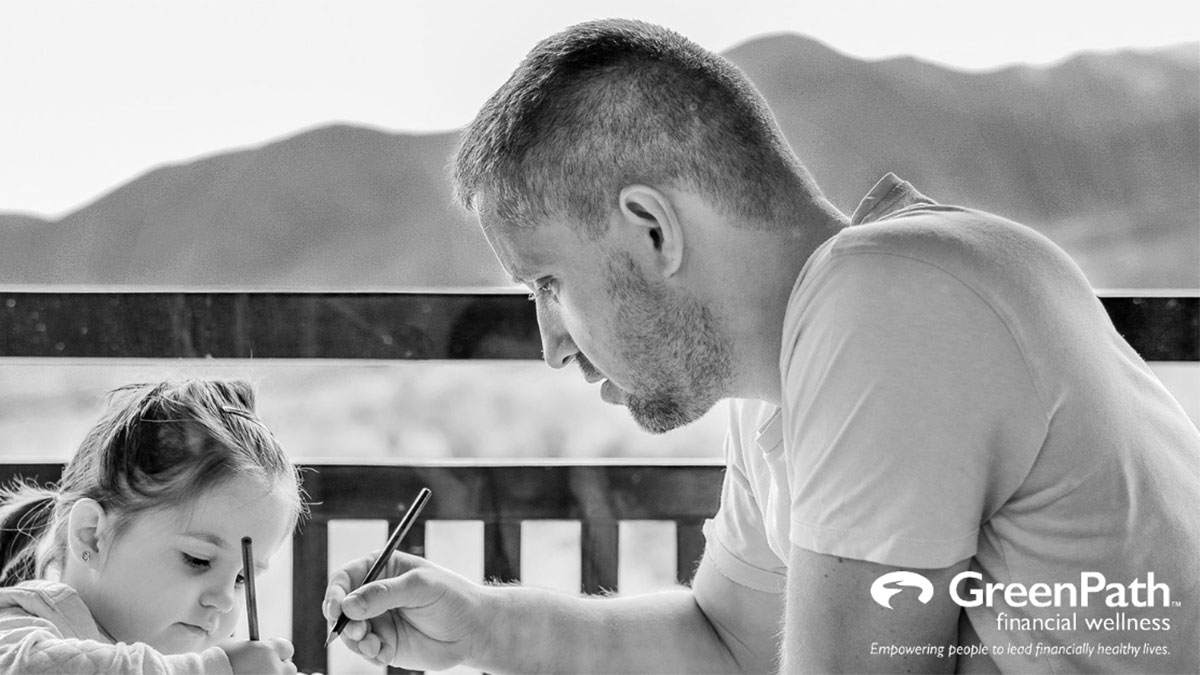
column 538, row 631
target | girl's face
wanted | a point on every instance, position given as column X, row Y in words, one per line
column 173, row 579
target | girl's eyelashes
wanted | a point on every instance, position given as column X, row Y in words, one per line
column 203, row 565
column 196, row 563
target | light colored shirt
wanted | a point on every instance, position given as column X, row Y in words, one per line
column 953, row 389
column 46, row 628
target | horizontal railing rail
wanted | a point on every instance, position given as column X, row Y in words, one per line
column 1160, row 327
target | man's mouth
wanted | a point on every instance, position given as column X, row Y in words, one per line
column 611, row 393
column 590, row 373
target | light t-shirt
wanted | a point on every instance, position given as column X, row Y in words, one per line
column 953, row 389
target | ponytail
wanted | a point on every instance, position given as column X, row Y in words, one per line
column 26, row 509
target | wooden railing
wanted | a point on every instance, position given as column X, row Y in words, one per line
column 501, row 496
column 389, row 326
column 231, row 325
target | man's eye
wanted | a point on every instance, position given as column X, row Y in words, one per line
column 197, row 563
column 544, row 287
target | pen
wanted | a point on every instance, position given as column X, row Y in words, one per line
column 248, row 575
column 388, row 549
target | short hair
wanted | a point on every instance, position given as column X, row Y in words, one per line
column 609, row 103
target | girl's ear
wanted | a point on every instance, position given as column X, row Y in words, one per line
column 86, row 522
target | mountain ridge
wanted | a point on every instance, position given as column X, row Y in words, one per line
column 1101, row 152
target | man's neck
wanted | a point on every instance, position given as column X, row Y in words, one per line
column 764, row 267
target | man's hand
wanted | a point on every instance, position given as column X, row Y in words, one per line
column 831, row 620
column 268, row 657
column 416, row 615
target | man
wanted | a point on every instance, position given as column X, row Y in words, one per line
column 921, row 389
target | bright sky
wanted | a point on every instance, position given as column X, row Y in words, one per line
column 93, row 94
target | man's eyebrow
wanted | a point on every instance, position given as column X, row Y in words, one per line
column 521, row 277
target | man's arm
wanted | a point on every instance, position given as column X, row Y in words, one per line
column 717, row 627
column 833, row 625
column 427, row 617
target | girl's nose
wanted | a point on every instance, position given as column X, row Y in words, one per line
column 220, row 597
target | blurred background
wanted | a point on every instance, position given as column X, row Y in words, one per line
column 304, row 146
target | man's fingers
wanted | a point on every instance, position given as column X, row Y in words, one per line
column 350, row 576
column 368, row 647
column 344, row 580
column 356, row 630
column 411, row 589
column 339, row 586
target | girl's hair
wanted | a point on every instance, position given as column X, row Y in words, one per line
column 157, row 446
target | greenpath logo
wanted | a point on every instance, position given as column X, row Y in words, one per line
column 967, row 590
column 1136, row 593
column 885, row 587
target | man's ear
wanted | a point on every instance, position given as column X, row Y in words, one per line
column 652, row 213
column 85, row 525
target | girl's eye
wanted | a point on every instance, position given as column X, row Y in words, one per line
column 194, row 562
column 240, row 580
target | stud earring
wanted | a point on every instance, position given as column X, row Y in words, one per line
column 86, row 556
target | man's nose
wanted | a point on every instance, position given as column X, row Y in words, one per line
column 558, row 349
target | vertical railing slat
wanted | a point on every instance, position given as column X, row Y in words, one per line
column 414, row 541
column 600, row 544
column 502, row 551
column 689, row 546
column 310, row 554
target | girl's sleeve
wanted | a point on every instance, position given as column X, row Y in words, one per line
column 30, row 645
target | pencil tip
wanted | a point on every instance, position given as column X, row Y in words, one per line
column 329, row 639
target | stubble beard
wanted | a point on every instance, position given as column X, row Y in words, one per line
column 673, row 344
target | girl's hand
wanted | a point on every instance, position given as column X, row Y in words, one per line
column 416, row 615
column 267, row 657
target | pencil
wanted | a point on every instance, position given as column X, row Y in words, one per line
column 388, row 549
column 251, row 598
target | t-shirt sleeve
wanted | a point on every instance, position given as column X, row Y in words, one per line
column 911, row 415
column 735, row 539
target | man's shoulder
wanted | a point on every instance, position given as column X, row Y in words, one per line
column 984, row 251
column 936, row 232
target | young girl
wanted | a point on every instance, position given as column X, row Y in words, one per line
column 133, row 563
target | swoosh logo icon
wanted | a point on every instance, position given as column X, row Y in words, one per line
column 886, row 586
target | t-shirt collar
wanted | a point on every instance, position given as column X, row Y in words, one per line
column 769, row 434
column 889, row 195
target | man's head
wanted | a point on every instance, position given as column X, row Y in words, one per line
column 609, row 103
column 610, row 142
